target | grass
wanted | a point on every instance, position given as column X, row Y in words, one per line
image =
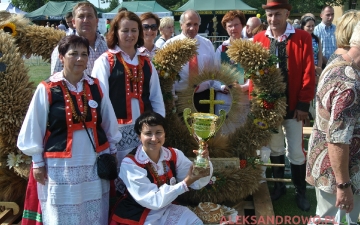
column 286, row 205
column 39, row 73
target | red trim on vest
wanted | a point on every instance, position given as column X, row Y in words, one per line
column 173, row 155
column 224, row 48
column 162, row 177
column 47, row 87
column 135, row 86
column 71, row 127
column 110, row 60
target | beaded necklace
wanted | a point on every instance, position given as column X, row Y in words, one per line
column 83, row 115
column 155, row 173
column 137, row 77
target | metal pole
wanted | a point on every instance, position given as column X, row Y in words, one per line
column 99, row 3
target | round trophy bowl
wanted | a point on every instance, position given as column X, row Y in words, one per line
column 204, row 125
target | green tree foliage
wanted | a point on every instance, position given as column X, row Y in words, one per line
column 299, row 6
column 169, row 4
column 113, row 4
column 31, row 5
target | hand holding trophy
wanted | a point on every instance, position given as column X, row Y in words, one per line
column 203, row 127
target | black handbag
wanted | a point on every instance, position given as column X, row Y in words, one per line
column 106, row 163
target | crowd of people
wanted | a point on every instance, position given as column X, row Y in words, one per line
column 106, row 91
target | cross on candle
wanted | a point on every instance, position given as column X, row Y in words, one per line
column 212, row 101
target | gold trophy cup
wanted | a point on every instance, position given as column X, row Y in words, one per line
column 203, row 127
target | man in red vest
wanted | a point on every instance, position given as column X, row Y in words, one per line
column 296, row 62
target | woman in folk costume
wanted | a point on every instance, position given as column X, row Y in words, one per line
column 150, row 23
column 130, row 79
column 233, row 21
column 154, row 177
column 64, row 160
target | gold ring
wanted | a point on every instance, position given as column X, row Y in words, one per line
column 347, row 206
column 342, row 206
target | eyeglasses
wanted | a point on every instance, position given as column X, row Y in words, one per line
column 153, row 27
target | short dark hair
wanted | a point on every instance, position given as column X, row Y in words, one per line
column 72, row 40
column 68, row 15
column 326, row 6
column 111, row 37
column 149, row 118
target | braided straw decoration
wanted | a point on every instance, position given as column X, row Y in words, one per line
column 32, row 39
column 15, row 95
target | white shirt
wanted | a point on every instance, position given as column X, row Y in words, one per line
column 101, row 71
column 289, row 30
column 32, row 133
column 148, row 194
column 243, row 33
column 145, row 52
column 70, row 31
column 160, row 42
column 100, row 48
column 206, row 56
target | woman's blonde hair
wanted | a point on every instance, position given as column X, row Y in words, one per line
column 345, row 26
column 165, row 21
column 355, row 38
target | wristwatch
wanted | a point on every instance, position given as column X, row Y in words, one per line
column 343, row 185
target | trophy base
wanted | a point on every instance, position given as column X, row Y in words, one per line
column 200, row 170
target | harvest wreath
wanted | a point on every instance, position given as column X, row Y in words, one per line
column 268, row 106
column 18, row 38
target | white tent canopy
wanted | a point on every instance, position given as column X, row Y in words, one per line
column 10, row 8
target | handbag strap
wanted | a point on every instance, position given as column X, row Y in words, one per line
column 88, row 135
